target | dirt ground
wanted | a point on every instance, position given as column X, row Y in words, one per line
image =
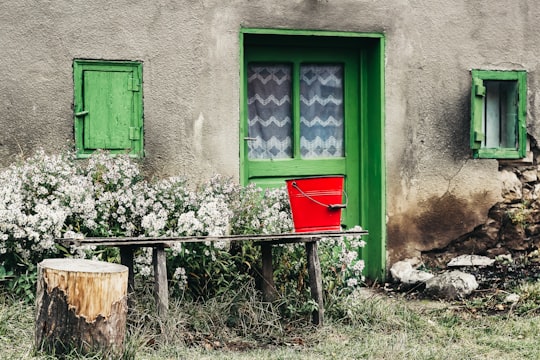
column 495, row 282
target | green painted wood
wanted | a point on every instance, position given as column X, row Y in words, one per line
column 482, row 145
column 318, row 33
column 295, row 167
column 363, row 164
column 372, row 198
column 477, row 114
column 108, row 107
column 108, row 102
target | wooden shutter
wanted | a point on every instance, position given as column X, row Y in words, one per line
column 477, row 113
column 108, row 107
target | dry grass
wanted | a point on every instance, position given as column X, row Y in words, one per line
column 240, row 326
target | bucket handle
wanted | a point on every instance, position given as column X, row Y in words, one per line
column 329, row 206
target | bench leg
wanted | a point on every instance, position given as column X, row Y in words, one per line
column 161, row 289
column 315, row 281
column 268, row 286
column 126, row 258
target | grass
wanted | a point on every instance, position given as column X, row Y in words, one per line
column 239, row 326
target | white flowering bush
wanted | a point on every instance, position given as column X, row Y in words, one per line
column 34, row 204
column 344, row 254
column 51, row 196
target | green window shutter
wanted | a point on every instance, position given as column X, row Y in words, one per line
column 108, row 102
column 477, row 107
column 108, row 107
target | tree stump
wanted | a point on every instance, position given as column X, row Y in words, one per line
column 81, row 305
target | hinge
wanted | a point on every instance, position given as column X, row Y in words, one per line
column 478, row 139
column 479, row 88
column 134, row 133
column 479, row 136
column 134, row 83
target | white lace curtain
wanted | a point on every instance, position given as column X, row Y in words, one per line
column 270, row 111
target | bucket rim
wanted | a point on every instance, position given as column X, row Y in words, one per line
column 315, row 177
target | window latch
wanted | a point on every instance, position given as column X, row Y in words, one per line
column 81, row 113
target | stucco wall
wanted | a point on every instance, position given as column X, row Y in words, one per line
column 190, row 55
column 436, row 191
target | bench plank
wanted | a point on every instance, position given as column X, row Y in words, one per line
column 155, row 241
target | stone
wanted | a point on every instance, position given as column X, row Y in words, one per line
column 511, row 186
column 404, row 272
column 451, row 285
column 517, row 243
column 511, row 298
column 470, row 260
column 400, row 269
column 535, row 192
column 497, row 251
column 528, row 194
column 529, row 176
column 415, row 261
column 497, row 214
column 533, row 230
column 505, row 258
column 513, row 237
column 416, row 277
column 534, row 255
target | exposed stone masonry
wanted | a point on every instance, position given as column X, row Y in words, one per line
column 513, row 225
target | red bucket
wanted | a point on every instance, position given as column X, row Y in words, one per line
column 316, row 203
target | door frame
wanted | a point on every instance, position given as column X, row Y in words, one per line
column 372, row 191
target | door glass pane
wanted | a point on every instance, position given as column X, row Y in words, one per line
column 269, row 111
column 321, row 111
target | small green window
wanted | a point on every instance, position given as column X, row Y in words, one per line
column 498, row 114
column 108, row 107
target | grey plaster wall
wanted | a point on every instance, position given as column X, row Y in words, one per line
column 190, row 55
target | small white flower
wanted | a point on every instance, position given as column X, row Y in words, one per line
column 179, row 273
column 145, row 271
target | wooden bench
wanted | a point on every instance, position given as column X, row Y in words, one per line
column 128, row 245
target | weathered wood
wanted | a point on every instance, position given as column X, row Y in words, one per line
column 155, row 241
column 268, row 286
column 82, row 305
column 315, row 281
column 126, row 258
column 161, row 289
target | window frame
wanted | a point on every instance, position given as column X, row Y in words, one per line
column 296, row 58
column 135, row 131
column 478, row 92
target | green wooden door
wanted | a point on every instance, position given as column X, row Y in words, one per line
column 303, row 117
column 361, row 160
column 108, row 107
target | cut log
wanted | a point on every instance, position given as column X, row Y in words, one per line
column 81, row 305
